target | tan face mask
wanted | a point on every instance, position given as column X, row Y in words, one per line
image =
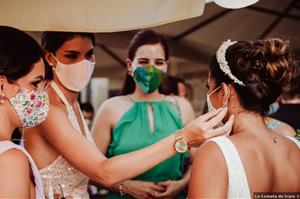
column 74, row 76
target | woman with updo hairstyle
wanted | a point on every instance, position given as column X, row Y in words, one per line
column 247, row 77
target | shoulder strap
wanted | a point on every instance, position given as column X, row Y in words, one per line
column 71, row 113
column 293, row 139
column 59, row 93
column 86, row 128
column 7, row 145
column 237, row 180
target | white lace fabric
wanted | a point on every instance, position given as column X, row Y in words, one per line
column 60, row 176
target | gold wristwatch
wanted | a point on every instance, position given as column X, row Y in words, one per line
column 181, row 145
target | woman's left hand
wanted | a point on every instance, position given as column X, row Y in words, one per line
column 173, row 188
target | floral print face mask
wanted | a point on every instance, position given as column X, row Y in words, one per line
column 32, row 107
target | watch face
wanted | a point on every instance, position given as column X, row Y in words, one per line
column 181, row 146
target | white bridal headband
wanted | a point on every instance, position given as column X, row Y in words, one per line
column 224, row 64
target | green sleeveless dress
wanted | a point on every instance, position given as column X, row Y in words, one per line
column 133, row 132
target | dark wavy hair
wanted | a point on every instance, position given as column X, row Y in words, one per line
column 264, row 66
column 18, row 53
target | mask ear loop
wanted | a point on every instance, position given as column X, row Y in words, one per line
column 227, row 98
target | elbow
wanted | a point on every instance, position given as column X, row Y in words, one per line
column 107, row 182
column 106, row 177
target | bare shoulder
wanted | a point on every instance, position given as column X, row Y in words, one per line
column 285, row 129
column 209, row 152
column 15, row 169
column 114, row 104
column 209, row 173
column 185, row 108
column 282, row 128
column 14, row 162
column 113, row 108
column 111, row 102
column 177, row 100
column 206, row 157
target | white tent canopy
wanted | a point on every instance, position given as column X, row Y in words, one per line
column 192, row 41
column 95, row 15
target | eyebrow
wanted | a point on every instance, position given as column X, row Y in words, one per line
column 158, row 59
column 91, row 50
column 72, row 51
column 40, row 77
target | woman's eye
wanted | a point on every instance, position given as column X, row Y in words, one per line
column 36, row 84
column 71, row 56
column 159, row 63
column 89, row 55
column 143, row 62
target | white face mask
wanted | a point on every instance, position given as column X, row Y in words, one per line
column 212, row 108
column 74, row 76
column 209, row 104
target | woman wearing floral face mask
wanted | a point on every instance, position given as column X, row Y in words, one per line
column 62, row 146
column 247, row 77
column 23, row 104
column 142, row 117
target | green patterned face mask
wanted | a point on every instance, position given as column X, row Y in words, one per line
column 149, row 78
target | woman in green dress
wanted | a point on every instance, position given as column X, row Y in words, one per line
column 141, row 117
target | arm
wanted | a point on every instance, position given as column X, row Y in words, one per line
column 173, row 188
column 94, row 164
column 102, row 126
column 101, row 132
column 209, row 173
column 15, row 175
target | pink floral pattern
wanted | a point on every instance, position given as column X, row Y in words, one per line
column 31, row 107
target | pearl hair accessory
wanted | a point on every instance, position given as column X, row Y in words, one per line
column 220, row 55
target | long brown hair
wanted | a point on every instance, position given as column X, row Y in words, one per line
column 143, row 37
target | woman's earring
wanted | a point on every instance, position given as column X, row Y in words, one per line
column 50, row 64
column 2, row 96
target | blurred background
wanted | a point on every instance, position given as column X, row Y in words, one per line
column 192, row 44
